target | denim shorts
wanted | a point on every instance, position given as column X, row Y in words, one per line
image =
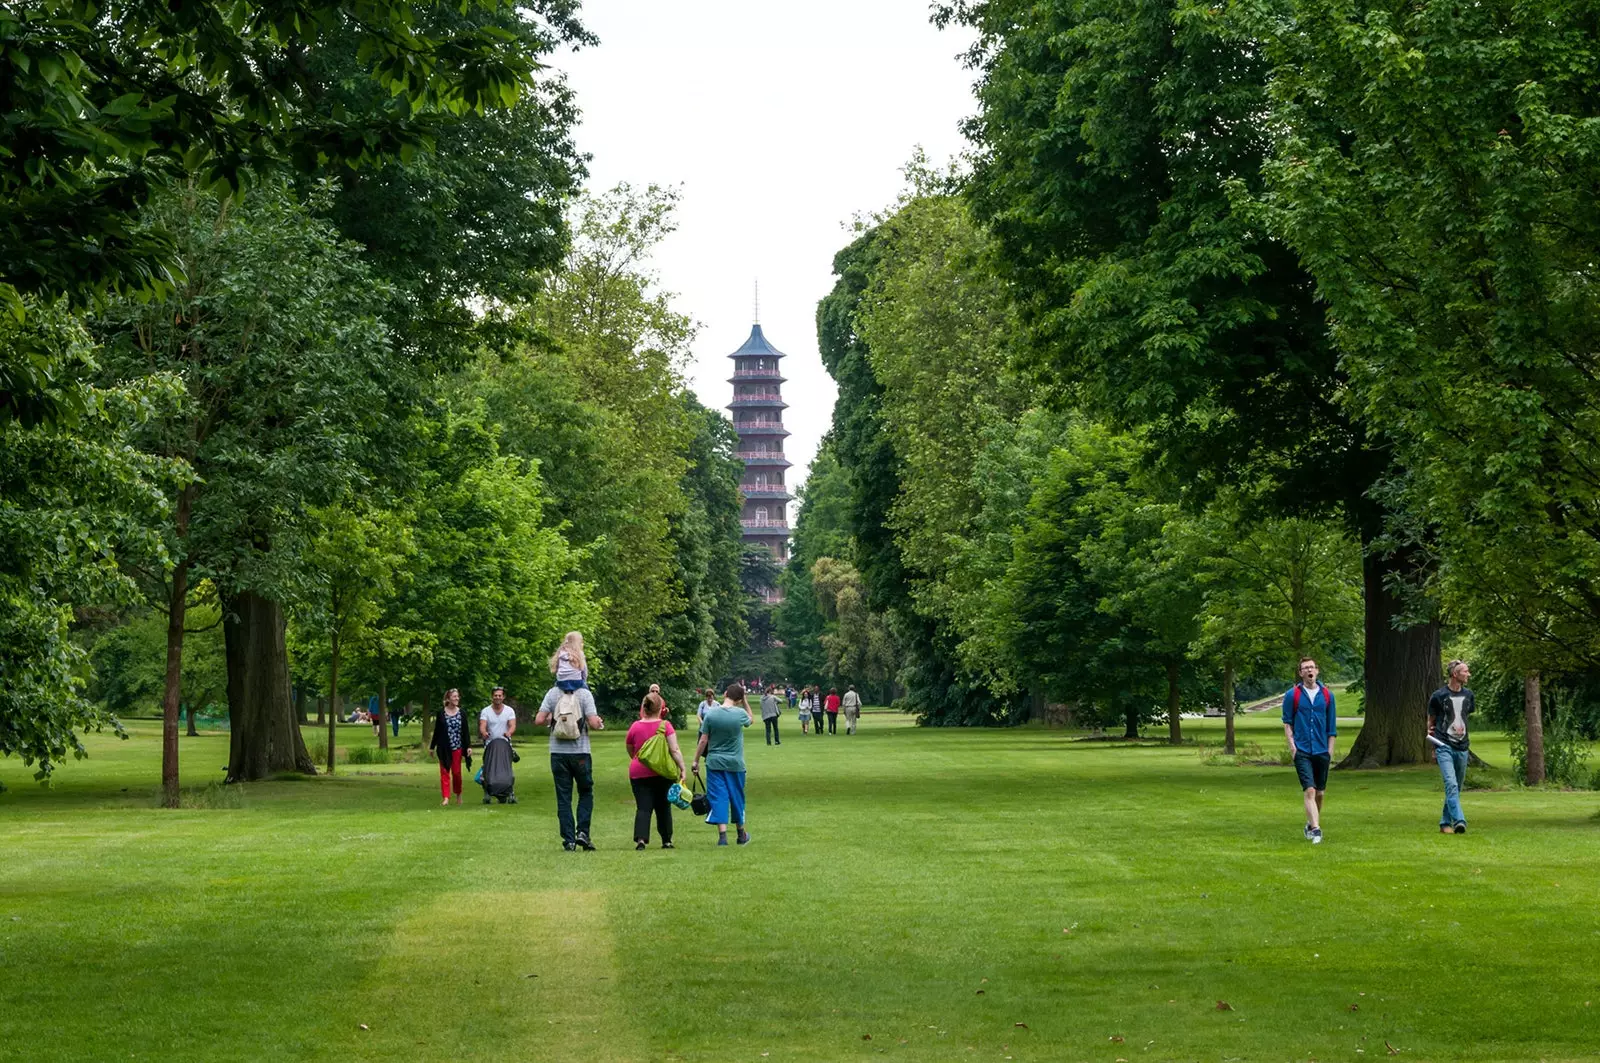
column 1312, row 768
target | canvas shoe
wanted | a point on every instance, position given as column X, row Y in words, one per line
column 744, row 836
column 1308, row 832
column 722, row 839
column 570, row 847
column 1461, row 828
column 584, row 843
column 1316, row 835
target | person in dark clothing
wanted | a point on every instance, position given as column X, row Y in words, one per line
column 1448, row 710
column 451, row 742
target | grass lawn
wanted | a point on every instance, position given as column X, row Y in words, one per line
column 914, row 894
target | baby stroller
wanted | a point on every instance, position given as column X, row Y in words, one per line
column 496, row 777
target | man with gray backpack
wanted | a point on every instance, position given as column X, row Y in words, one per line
column 571, row 715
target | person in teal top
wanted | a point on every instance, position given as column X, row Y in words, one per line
column 722, row 747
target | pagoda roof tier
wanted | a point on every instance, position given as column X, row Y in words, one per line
column 776, row 491
column 751, row 402
column 757, row 345
column 760, row 429
column 750, row 458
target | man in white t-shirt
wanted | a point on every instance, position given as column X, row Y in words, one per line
column 497, row 720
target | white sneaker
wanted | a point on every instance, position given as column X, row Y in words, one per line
column 1316, row 835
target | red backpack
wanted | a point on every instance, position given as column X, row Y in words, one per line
column 1298, row 687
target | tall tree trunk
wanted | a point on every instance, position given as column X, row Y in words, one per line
column 333, row 697
column 172, row 694
column 1402, row 668
column 299, row 695
column 264, row 739
column 383, row 713
column 1533, row 724
column 320, row 713
column 1130, row 727
column 190, row 714
column 1227, row 708
column 1174, row 722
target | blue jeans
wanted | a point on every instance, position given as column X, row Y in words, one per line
column 1453, row 766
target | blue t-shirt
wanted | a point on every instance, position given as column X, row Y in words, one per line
column 1315, row 721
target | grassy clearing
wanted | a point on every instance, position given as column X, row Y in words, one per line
column 930, row 890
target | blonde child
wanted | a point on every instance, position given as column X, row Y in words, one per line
column 569, row 664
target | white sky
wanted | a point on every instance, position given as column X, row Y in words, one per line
column 780, row 122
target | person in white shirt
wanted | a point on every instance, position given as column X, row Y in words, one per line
column 497, row 720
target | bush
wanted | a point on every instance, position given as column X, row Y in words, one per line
column 367, row 755
column 317, row 746
column 1566, row 754
column 212, row 795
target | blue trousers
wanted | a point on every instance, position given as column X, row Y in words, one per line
column 1453, row 766
column 725, row 790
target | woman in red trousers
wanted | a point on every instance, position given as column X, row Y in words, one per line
column 451, row 742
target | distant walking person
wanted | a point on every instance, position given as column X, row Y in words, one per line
column 831, row 705
column 852, row 710
column 569, row 664
column 815, row 695
column 1448, row 710
column 722, row 746
column 708, row 701
column 649, row 788
column 1310, row 724
column 771, row 709
column 450, row 743
column 805, row 711
column 571, row 715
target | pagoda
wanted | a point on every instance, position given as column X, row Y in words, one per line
column 757, row 409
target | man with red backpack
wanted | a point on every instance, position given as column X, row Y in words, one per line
column 1310, row 725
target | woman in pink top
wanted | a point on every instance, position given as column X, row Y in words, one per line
column 650, row 789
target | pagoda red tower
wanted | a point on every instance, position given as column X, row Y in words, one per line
column 757, row 409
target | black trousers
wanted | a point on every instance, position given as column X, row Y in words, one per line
column 569, row 769
column 772, row 730
column 833, row 723
column 650, row 795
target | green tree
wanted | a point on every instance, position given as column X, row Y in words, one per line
column 1274, row 591
column 1450, row 224
column 104, row 100
column 936, row 685
column 492, row 586
column 598, row 406
column 288, row 376
column 1064, row 612
column 860, row 645
column 1120, row 148
column 75, row 498
column 820, row 531
column 353, row 555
